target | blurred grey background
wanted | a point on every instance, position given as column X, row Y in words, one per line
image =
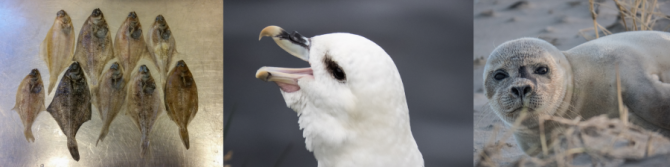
column 429, row 40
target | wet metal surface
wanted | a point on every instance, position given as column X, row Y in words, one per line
column 198, row 30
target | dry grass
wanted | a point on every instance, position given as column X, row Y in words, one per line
column 643, row 14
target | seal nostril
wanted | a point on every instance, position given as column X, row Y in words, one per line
column 526, row 90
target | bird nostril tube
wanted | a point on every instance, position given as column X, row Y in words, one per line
column 521, row 91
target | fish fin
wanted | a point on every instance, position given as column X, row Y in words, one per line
column 183, row 132
column 103, row 132
column 29, row 135
column 144, row 147
column 72, row 146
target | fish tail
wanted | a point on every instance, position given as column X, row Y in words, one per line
column 183, row 132
column 29, row 134
column 144, row 147
column 51, row 84
column 103, row 132
column 72, row 146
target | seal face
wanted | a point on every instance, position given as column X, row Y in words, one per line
column 525, row 74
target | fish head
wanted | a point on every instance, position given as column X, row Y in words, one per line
column 162, row 28
column 116, row 71
column 134, row 26
column 63, row 19
column 74, row 72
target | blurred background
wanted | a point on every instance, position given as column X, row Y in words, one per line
column 430, row 42
column 197, row 27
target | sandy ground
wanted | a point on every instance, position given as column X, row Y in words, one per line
column 558, row 22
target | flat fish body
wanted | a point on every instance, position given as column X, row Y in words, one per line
column 58, row 46
column 94, row 46
column 129, row 45
column 143, row 104
column 110, row 96
column 71, row 105
column 181, row 98
column 30, row 101
column 161, row 44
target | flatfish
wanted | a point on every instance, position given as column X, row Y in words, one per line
column 94, row 46
column 129, row 45
column 111, row 94
column 30, row 101
column 181, row 98
column 58, row 46
column 161, row 44
column 143, row 104
column 71, row 105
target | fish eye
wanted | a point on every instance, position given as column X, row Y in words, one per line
column 500, row 76
column 541, row 70
column 334, row 69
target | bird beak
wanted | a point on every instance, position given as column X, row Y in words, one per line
column 294, row 43
column 286, row 78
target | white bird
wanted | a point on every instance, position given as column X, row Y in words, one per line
column 350, row 103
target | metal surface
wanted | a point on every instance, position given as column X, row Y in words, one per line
column 198, row 30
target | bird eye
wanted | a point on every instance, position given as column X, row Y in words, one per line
column 334, row 69
column 499, row 76
column 541, row 70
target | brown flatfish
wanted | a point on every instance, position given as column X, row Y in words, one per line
column 71, row 105
column 129, row 45
column 58, row 47
column 143, row 104
column 94, row 46
column 30, row 101
column 111, row 94
column 181, row 98
column 161, row 44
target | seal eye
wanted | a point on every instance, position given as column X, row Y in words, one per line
column 499, row 76
column 541, row 70
column 334, row 69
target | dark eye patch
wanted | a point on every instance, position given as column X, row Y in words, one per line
column 499, row 75
column 541, row 70
column 334, row 69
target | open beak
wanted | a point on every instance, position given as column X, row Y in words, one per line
column 286, row 78
column 296, row 45
column 293, row 43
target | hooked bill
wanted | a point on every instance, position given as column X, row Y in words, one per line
column 71, row 105
column 58, row 46
column 30, row 101
column 161, row 44
column 110, row 97
column 129, row 45
column 143, row 104
column 181, row 98
column 94, row 46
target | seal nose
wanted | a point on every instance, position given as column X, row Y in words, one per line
column 521, row 91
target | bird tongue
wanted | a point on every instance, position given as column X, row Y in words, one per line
column 288, row 88
column 286, row 78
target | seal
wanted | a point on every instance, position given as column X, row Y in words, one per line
column 58, row 46
column 530, row 74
